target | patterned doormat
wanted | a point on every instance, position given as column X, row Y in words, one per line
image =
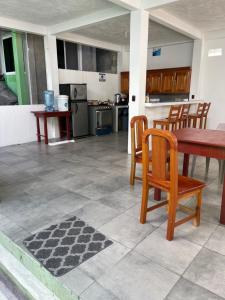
column 64, row 246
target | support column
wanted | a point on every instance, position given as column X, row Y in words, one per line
column 197, row 69
column 52, row 75
column 51, row 61
column 139, row 22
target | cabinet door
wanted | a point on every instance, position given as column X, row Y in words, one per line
column 183, row 79
column 125, row 82
column 154, row 82
column 168, row 78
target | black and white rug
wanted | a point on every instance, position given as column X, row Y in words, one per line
column 64, row 246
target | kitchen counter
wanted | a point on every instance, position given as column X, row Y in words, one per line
column 157, row 104
column 160, row 110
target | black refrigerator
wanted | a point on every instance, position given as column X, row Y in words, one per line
column 78, row 105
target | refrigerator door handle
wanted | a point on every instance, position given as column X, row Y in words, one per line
column 76, row 108
column 75, row 93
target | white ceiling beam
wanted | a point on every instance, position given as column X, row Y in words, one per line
column 150, row 4
column 87, row 20
column 128, row 4
column 164, row 18
column 13, row 24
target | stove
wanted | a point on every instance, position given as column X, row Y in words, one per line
column 100, row 119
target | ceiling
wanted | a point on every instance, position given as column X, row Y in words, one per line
column 117, row 31
column 49, row 12
column 206, row 15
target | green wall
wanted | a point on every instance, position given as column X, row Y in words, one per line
column 10, row 80
column 21, row 78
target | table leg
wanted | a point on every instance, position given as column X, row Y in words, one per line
column 38, row 130
column 60, row 128
column 46, row 130
column 157, row 194
column 68, row 127
column 222, row 211
column 186, row 164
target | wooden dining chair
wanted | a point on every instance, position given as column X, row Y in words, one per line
column 170, row 123
column 138, row 125
column 196, row 120
column 183, row 119
column 203, row 109
column 176, row 186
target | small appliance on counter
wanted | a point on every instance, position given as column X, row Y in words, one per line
column 48, row 100
column 78, row 105
column 120, row 99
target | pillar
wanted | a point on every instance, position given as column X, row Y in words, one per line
column 139, row 22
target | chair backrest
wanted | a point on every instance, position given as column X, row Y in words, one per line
column 162, row 143
column 200, row 109
column 138, row 125
column 206, row 109
column 185, row 110
column 174, row 113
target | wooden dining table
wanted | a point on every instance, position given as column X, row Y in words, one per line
column 203, row 142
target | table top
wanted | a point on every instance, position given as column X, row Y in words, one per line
column 207, row 137
column 50, row 113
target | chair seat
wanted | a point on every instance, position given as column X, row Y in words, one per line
column 185, row 184
column 138, row 156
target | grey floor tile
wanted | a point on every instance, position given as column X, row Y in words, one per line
column 175, row 255
column 97, row 292
column 103, row 261
column 127, row 230
column 76, row 280
column 217, row 240
column 186, row 290
column 136, row 277
column 208, row 271
column 96, row 214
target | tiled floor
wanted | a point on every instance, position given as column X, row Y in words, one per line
column 42, row 185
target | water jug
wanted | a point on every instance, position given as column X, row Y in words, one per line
column 48, row 99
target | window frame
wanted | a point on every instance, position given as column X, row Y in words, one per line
column 3, row 55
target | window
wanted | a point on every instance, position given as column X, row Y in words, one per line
column 88, row 58
column 106, row 61
column 73, row 56
column 8, row 55
column 60, row 54
column 215, row 52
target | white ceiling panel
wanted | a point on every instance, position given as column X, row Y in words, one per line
column 206, row 15
column 50, row 12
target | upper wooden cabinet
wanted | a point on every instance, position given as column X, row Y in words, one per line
column 154, row 82
column 164, row 81
column 124, row 83
column 182, row 81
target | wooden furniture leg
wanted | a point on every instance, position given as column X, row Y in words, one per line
column 132, row 172
column 46, row 130
column 193, row 165
column 207, row 162
column 222, row 211
column 60, row 127
column 186, row 164
column 157, row 195
column 38, row 130
column 68, row 127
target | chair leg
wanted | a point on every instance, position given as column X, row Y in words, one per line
column 196, row 221
column 207, row 162
column 144, row 202
column 193, row 165
column 171, row 219
column 132, row 172
column 221, row 170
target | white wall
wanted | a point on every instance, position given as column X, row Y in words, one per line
column 18, row 124
column 172, row 56
column 213, row 79
column 95, row 90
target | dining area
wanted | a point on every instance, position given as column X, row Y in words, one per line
column 179, row 136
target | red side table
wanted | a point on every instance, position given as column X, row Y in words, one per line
column 53, row 114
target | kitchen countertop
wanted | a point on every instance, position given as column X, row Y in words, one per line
column 158, row 104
